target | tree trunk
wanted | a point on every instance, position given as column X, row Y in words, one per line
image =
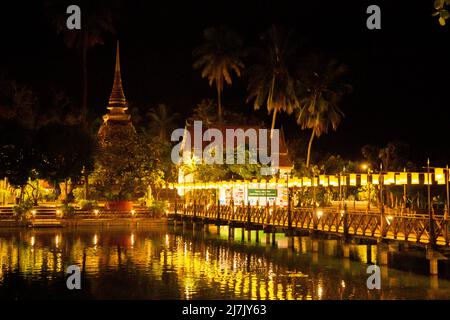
column 273, row 123
column 219, row 105
column 66, row 200
column 309, row 148
column 85, row 71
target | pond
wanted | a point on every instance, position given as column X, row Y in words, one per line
column 158, row 261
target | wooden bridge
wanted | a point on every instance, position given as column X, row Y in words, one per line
column 419, row 229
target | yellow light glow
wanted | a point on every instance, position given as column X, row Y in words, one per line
column 389, row 178
column 375, row 179
column 364, row 179
column 353, row 179
column 439, row 175
column 306, row 182
column 334, row 181
column 414, row 178
column 401, row 178
column 323, row 180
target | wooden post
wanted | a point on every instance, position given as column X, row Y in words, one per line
column 195, row 209
column 382, row 218
column 345, row 222
column 432, row 240
column 248, row 214
column 447, row 193
column 218, row 210
column 289, row 210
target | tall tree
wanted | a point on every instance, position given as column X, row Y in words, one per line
column 320, row 89
column 162, row 120
column 97, row 19
column 16, row 153
column 218, row 57
column 271, row 79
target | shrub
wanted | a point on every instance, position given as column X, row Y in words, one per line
column 68, row 211
column 87, row 204
column 158, row 207
column 22, row 210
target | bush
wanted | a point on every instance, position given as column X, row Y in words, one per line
column 22, row 210
column 68, row 211
column 158, row 207
column 87, row 204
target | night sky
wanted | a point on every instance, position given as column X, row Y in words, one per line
column 399, row 74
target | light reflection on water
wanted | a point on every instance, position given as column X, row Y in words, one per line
column 160, row 262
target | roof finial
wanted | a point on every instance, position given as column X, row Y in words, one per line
column 117, row 101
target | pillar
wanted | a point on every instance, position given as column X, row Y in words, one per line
column 267, row 238
column 230, row 233
column 346, row 250
column 314, row 245
column 433, row 266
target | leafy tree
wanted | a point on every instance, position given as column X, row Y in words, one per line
column 441, row 11
column 19, row 102
column 16, row 153
column 126, row 165
column 162, row 121
column 98, row 18
column 63, row 152
column 218, row 58
column 204, row 111
column 320, row 90
column 271, row 79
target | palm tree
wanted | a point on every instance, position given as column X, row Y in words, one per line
column 204, row 111
column 162, row 120
column 320, row 91
column 97, row 19
column 270, row 79
column 218, row 58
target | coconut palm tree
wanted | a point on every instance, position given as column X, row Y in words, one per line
column 320, row 89
column 271, row 79
column 162, row 120
column 218, row 58
column 97, row 19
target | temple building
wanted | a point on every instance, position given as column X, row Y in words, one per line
column 117, row 115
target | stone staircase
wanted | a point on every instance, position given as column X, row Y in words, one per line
column 6, row 213
column 45, row 216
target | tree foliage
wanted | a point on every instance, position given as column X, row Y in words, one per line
column 218, row 58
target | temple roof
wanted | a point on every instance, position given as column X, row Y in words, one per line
column 117, row 102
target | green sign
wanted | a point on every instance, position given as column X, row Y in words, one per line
column 262, row 192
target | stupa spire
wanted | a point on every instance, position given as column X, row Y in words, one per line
column 117, row 100
column 117, row 103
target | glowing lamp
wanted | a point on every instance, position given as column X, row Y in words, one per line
column 353, row 179
column 334, row 181
column 439, row 175
column 389, row 178
column 363, row 179
column 401, row 178
column 415, row 178
column 323, row 180
column 375, row 179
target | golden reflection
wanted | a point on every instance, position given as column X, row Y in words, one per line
column 190, row 267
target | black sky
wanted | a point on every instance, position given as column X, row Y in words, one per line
column 399, row 74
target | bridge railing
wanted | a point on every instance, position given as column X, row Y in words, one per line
column 358, row 223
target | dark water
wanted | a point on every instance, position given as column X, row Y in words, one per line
column 160, row 262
